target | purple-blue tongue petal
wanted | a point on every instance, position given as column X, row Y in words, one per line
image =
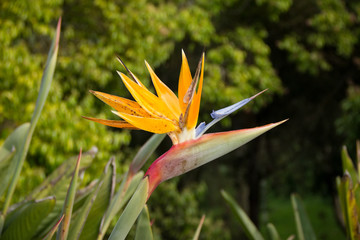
column 222, row 113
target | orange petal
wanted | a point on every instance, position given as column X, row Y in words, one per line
column 121, row 104
column 148, row 101
column 113, row 123
column 155, row 125
column 165, row 93
column 195, row 105
column 184, row 82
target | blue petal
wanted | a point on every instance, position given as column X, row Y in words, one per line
column 230, row 109
column 222, row 113
column 200, row 128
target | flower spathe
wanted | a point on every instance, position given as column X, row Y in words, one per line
column 164, row 113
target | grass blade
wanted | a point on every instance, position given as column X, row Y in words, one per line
column 303, row 225
column 198, row 230
column 44, row 90
column 247, row 225
column 68, row 205
column 274, row 235
column 143, row 228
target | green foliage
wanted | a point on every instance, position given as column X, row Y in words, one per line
column 348, row 125
column 303, row 226
column 176, row 212
column 349, row 194
column 247, row 225
column 320, row 211
column 332, row 24
column 143, row 229
column 135, row 30
column 23, row 221
column 242, row 40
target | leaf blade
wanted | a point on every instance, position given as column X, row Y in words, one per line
column 303, row 225
column 43, row 93
column 143, row 228
column 131, row 212
column 63, row 231
column 247, row 225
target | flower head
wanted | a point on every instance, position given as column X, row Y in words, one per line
column 164, row 113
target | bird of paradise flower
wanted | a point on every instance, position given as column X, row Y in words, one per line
column 177, row 117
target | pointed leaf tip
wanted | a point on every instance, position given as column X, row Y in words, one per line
column 198, row 230
column 192, row 154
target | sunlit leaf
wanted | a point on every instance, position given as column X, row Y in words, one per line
column 12, row 143
column 43, row 92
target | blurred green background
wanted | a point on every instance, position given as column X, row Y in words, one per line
column 306, row 52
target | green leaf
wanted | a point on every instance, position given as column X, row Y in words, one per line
column 358, row 157
column 2, row 220
column 23, row 226
column 43, row 92
column 50, row 234
column 57, row 185
column 61, row 176
column 86, row 224
column 145, row 152
column 198, row 230
column 131, row 211
column 12, row 144
column 63, row 231
column 348, row 205
column 303, row 225
column 348, row 165
column 129, row 182
column 143, row 228
column 273, row 233
column 247, row 225
column 119, row 200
